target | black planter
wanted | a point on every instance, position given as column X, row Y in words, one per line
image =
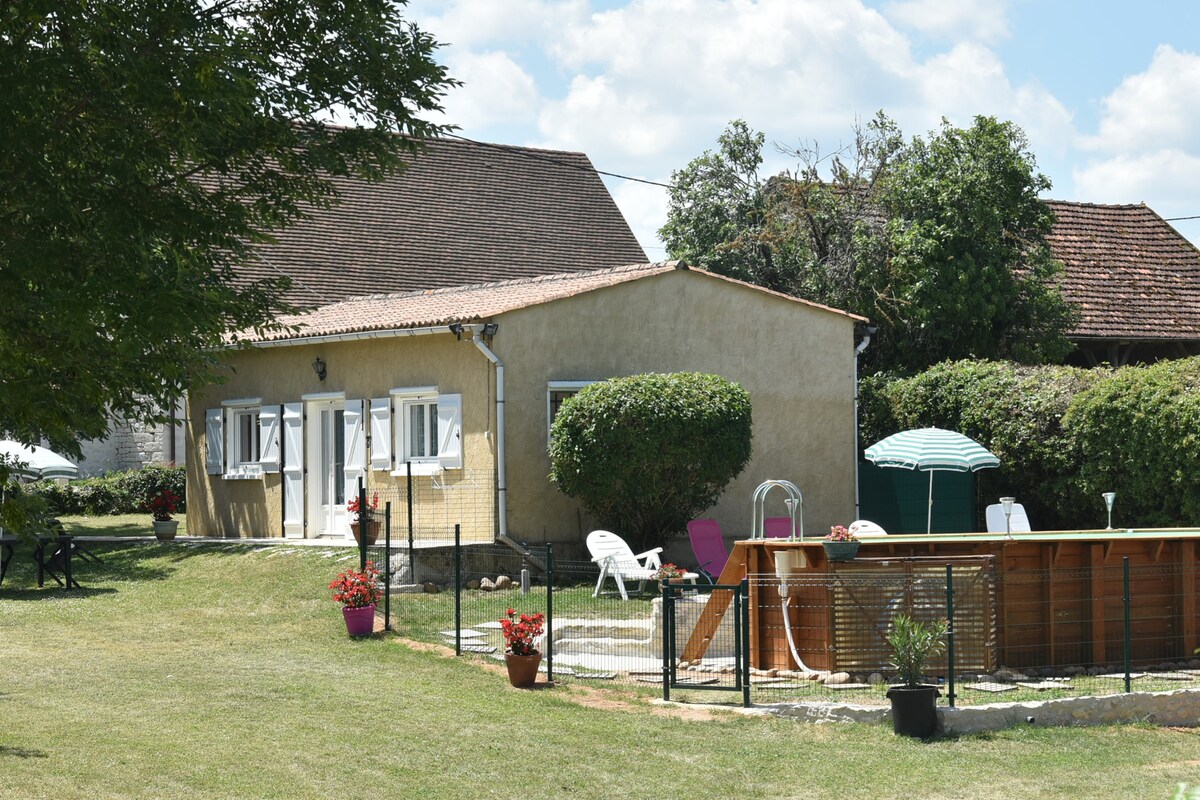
column 914, row 710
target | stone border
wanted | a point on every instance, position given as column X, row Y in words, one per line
column 1175, row 708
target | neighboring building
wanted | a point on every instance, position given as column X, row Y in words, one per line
column 1134, row 278
column 276, row 450
column 459, row 213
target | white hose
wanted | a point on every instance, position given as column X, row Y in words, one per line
column 787, row 626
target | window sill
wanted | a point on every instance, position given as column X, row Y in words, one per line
column 242, row 476
column 418, row 468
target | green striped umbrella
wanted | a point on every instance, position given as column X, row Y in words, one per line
column 928, row 450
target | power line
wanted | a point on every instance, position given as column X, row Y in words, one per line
column 1174, row 219
column 527, row 153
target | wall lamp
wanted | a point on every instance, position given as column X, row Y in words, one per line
column 456, row 328
column 319, row 368
column 489, row 329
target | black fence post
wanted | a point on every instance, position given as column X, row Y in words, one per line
column 387, row 566
column 1125, row 600
column 364, row 525
column 745, row 593
column 950, row 634
column 550, row 612
column 668, row 643
column 457, row 589
column 412, row 563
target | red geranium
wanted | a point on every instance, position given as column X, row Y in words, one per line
column 163, row 505
column 520, row 632
column 372, row 504
column 355, row 589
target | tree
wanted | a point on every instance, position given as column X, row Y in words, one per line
column 941, row 243
column 647, row 453
column 149, row 146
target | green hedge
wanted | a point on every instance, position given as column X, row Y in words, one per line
column 114, row 493
column 1063, row 435
column 647, row 453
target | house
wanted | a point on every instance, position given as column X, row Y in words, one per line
column 459, row 386
column 461, row 212
column 1134, row 279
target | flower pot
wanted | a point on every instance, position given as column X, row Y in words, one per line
column 914, row 710
column 840, row 551
column 164, row 529
column 522, row 670
column 372, row 531
column 359, row 621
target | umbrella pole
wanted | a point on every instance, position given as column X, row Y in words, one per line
column 929, row 519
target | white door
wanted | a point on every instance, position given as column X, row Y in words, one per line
column 326, row 484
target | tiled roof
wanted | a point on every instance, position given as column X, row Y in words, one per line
column 1130, row 273
column 474, row 303
column 461, row 213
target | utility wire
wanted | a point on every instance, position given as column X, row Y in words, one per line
column 527, row 153
column 1174, row 219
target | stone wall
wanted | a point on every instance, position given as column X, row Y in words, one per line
column 132, row 445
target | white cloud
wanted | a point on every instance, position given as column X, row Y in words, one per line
column 1165, row 179
column 495, row 90
column 1154, row 109
column 981, row 20
column 645, row 209
column 488, row 23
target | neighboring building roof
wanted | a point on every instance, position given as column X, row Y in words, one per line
column 1130, row 273
column 474, row 303
column 460, row 213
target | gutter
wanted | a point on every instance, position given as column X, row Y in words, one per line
column 501, row 471
column 351, row 337
column 868, row 332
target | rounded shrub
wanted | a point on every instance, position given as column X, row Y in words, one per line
column 115, row 493
column 647, row 453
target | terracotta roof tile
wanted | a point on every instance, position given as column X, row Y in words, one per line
column 1130, row 273
column 461, row 213
column 473, row 303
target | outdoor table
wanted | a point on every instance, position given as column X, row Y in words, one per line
column 59, row 549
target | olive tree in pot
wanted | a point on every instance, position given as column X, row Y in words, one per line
column 914, row 704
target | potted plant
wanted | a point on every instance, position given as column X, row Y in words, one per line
column 363, row 515
column 520, row 654
column 670, row 573
column 914, row 704
column 162, row 505
column 840, row 544
column 358, row 592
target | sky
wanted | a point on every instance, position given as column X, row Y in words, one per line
column 1107, row 92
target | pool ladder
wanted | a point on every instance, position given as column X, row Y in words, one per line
column 794, row 503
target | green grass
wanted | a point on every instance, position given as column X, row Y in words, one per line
column 224, row 672
column 117, row 525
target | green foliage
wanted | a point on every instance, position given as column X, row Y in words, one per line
column 940, row 241
column 149, row 147
column 1138, row 434
column 970, row 271
column 913, row 643
column 115, row 493
column 1063, row 434
column 647, row 453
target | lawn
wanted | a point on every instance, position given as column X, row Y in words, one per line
column 224, row 671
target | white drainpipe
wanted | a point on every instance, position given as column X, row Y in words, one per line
column 866, row 340
column 501, row 480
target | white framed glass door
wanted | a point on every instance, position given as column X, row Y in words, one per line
column 326, row 484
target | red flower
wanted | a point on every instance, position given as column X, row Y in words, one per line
column 520, row 635
column 355, row 589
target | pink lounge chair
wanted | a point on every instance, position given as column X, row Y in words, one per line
column 777, row 527
column 708, row 546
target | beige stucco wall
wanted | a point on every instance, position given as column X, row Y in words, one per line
column 796, row 361
column 363, row 370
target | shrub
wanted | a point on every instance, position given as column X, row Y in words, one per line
column 647, row 453
column 115, row 493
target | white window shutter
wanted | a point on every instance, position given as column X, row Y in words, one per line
column 381, row 433
column 293, row 469
column 214, row 441
column 268, row 438
column 356, row 447
column 449, row 408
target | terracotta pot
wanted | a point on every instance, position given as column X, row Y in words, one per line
column 372, row 531
column 164, row 529
column 359, row 621
column 522, row 670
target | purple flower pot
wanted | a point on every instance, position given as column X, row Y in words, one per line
column 359, row 621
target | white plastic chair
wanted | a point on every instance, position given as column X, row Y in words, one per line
column 618, row 562
column 865, row 529
column 1018, row 522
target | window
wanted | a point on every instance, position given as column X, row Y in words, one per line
column 427, row 430
column 242, row 439
column 556, row 393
